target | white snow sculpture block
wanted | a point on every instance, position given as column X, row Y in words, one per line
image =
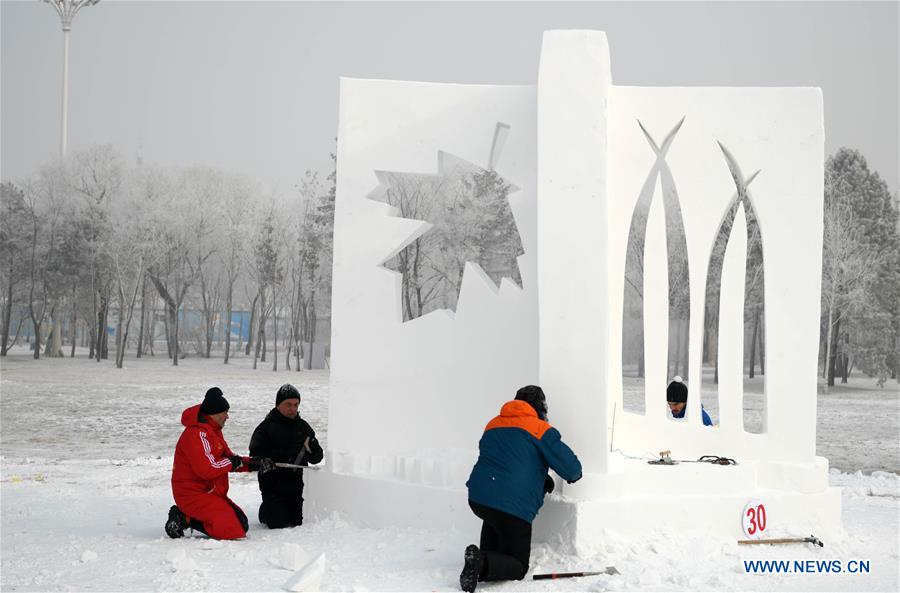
column 573, row 90
column 308, row 578
column 414, row 381
column 779, row 133
column 775, row 131
column 291, row 556
column 405, row 395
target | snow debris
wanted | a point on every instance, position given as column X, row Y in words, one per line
column 337, row 521
column 212, row 544
column 878, row 483
column 308, row 578
column 89, row 556
column 179, row 561
column 175, row 555
column 292, row 557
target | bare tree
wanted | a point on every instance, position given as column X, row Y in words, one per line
column 860, row 275
column 45, row 203
column 14, row 241
column 268, row 273
column 177, row 223
column 235, row 213
column 133, row 249
column 846, row 269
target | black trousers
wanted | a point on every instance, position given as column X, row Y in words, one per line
column 282, row 508
column 505, row 543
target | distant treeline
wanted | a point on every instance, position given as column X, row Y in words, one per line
column 98, row 244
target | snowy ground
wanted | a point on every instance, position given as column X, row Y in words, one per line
column 86, row 456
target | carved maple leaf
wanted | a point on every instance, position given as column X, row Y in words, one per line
column 471, row 221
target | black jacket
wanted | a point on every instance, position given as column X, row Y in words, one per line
column 281, row 439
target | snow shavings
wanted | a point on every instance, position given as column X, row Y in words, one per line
column 877, row 483
column 308, row 578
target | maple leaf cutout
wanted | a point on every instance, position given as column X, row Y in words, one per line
column 468, row 208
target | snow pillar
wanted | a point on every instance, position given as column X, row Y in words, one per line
column 573, row 88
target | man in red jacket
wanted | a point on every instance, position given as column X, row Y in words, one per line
column 200, row 474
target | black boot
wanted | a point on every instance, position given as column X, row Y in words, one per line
column 468, row 578
column 176, row 523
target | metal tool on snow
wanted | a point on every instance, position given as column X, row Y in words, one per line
column 567, row 575
column 665, row 458
column 785, row 540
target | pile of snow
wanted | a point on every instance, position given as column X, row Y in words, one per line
column 292, row 557
column 858, row 484
column 308, row 578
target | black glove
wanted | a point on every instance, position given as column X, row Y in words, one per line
column 576, row 479
column 261, row 464
column 549, row 484
column 236, row 462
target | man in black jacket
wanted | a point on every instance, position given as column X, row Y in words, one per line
column 284, row 437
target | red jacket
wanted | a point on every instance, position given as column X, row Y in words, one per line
column 201, row 463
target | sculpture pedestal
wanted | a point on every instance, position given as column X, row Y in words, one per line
column 634, row 498
column 691, row 498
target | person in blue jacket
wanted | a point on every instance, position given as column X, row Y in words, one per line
column 676, row 397
column 508, row 484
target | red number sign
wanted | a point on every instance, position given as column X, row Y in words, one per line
column 754, row 519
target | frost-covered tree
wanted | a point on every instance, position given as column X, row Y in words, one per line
column 268, row 272
column 13, row 247
column 100, row 244
column 45, row 200
column 861, row 270
column 235, row 212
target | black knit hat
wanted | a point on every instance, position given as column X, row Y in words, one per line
column 214, row 402
column 677, row 391
column 286, row 391
column 534, row 395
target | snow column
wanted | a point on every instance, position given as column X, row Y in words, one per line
column 573, row 88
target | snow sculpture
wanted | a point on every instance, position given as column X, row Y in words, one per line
column 409, row 399
column 678, row 269
column 469, row 220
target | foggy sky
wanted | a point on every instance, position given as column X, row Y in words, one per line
column 253, row 87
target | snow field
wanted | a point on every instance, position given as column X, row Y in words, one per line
column 85, row 467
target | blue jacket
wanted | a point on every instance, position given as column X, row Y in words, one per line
column 514, row 454
column 707, row 421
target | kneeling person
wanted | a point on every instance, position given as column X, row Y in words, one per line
column 200, row 473
column 508, row 484
column 284, row 437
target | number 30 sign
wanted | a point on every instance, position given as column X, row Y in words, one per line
column 754, row 519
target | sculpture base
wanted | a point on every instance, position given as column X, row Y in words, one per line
column 633, row 499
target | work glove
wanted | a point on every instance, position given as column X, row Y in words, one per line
column 236, row 462
column 262, row 465
column 576, row 479
column 549, row 484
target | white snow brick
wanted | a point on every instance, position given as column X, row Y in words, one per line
column 292, row 556
column 308, row 578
